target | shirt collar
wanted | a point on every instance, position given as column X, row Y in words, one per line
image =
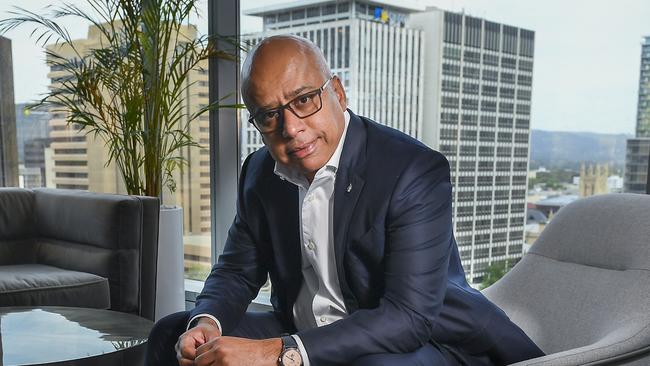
column 287, row 173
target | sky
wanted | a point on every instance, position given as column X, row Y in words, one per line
column 586, row 65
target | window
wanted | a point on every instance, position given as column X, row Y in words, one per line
column 470, row 88
column 490, row 75
column 489, row 91
column 57, row 155
column 482, row 102
column 450, row 69
column 473, row 57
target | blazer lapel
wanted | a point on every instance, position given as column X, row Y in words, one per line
column 350, row 180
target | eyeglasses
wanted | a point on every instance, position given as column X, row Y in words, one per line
column 302, row 106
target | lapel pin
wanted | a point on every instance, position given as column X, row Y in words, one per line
column 349, row 189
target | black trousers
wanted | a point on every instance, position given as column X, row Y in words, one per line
column 262, row 325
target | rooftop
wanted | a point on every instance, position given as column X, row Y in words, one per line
column 558, row 201
column 409, row 6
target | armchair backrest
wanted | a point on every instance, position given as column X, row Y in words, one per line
column 113, row 236
column 586, row 278
column 17, row 244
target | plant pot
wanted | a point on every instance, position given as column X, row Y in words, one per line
column 170, row 282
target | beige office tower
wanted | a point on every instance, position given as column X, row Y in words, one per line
column 80, row 159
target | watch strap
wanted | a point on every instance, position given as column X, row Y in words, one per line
column 288, row 342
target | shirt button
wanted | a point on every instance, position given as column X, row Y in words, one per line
column 311, row 245
column 310, row 198
column 323, row 319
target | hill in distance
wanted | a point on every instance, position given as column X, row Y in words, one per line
column 567, row 150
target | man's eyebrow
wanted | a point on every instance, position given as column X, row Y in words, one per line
column 291, row 94
column 297, row 92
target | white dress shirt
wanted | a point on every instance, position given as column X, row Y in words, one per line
column 320, row 301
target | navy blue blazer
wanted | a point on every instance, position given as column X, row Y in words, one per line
column 396, row 256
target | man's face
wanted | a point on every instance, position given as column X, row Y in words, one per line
column 305, row 144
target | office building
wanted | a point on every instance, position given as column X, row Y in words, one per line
column 636, row 165
column 8, row 147
column 643, row 106
column 636, row 158
column 478, row 88
column 460, row 84
column 32, row 135
column 30, row 124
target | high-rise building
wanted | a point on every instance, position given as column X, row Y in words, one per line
column 460, row 84
column 30, row 124
column 643, row 106
column 478, row 88
column 80, row 158
column 34, row 164
column 636, row 165
column 8, row 148
column 636, row 159
column 32, row 135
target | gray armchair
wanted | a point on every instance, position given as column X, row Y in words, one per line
column 75, row 248
column 582, row 292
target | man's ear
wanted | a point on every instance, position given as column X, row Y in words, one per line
column 340, row 92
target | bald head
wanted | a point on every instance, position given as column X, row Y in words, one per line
column 280, row 54
column 286, row 72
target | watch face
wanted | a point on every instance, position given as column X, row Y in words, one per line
column 291, row 358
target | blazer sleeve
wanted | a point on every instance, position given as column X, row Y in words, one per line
column 418, row 243
column 239, row 273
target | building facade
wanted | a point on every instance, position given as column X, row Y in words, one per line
column 462, row 85
column 478, row 89
column 636, row 163
column 32, row 136
column 30, row 124
column 8, row 144
column 593, row 180
column 643, row 106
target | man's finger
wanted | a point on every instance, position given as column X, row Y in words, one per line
column 204, row 348
column 186, row 347
column 205, row 356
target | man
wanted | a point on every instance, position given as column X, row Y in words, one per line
column 352, row 222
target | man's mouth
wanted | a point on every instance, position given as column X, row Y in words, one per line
column 303, row 150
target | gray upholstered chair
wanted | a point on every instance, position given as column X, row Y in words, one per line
column 582, row 292
column 75, row 248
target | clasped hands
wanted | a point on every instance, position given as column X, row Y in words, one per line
column 204, row 345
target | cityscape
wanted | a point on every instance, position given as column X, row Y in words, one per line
column 461, row 84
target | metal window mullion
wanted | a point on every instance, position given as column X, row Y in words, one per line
column 223, row 19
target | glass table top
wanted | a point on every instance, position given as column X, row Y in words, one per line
column 31, row 335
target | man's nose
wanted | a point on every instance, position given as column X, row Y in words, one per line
column 292, row 125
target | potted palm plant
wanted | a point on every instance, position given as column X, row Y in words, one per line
column 131, row 92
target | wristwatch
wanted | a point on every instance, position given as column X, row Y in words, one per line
column 290, row 355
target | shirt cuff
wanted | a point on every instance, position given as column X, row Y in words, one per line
column 204, row 316
column 303, row 351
